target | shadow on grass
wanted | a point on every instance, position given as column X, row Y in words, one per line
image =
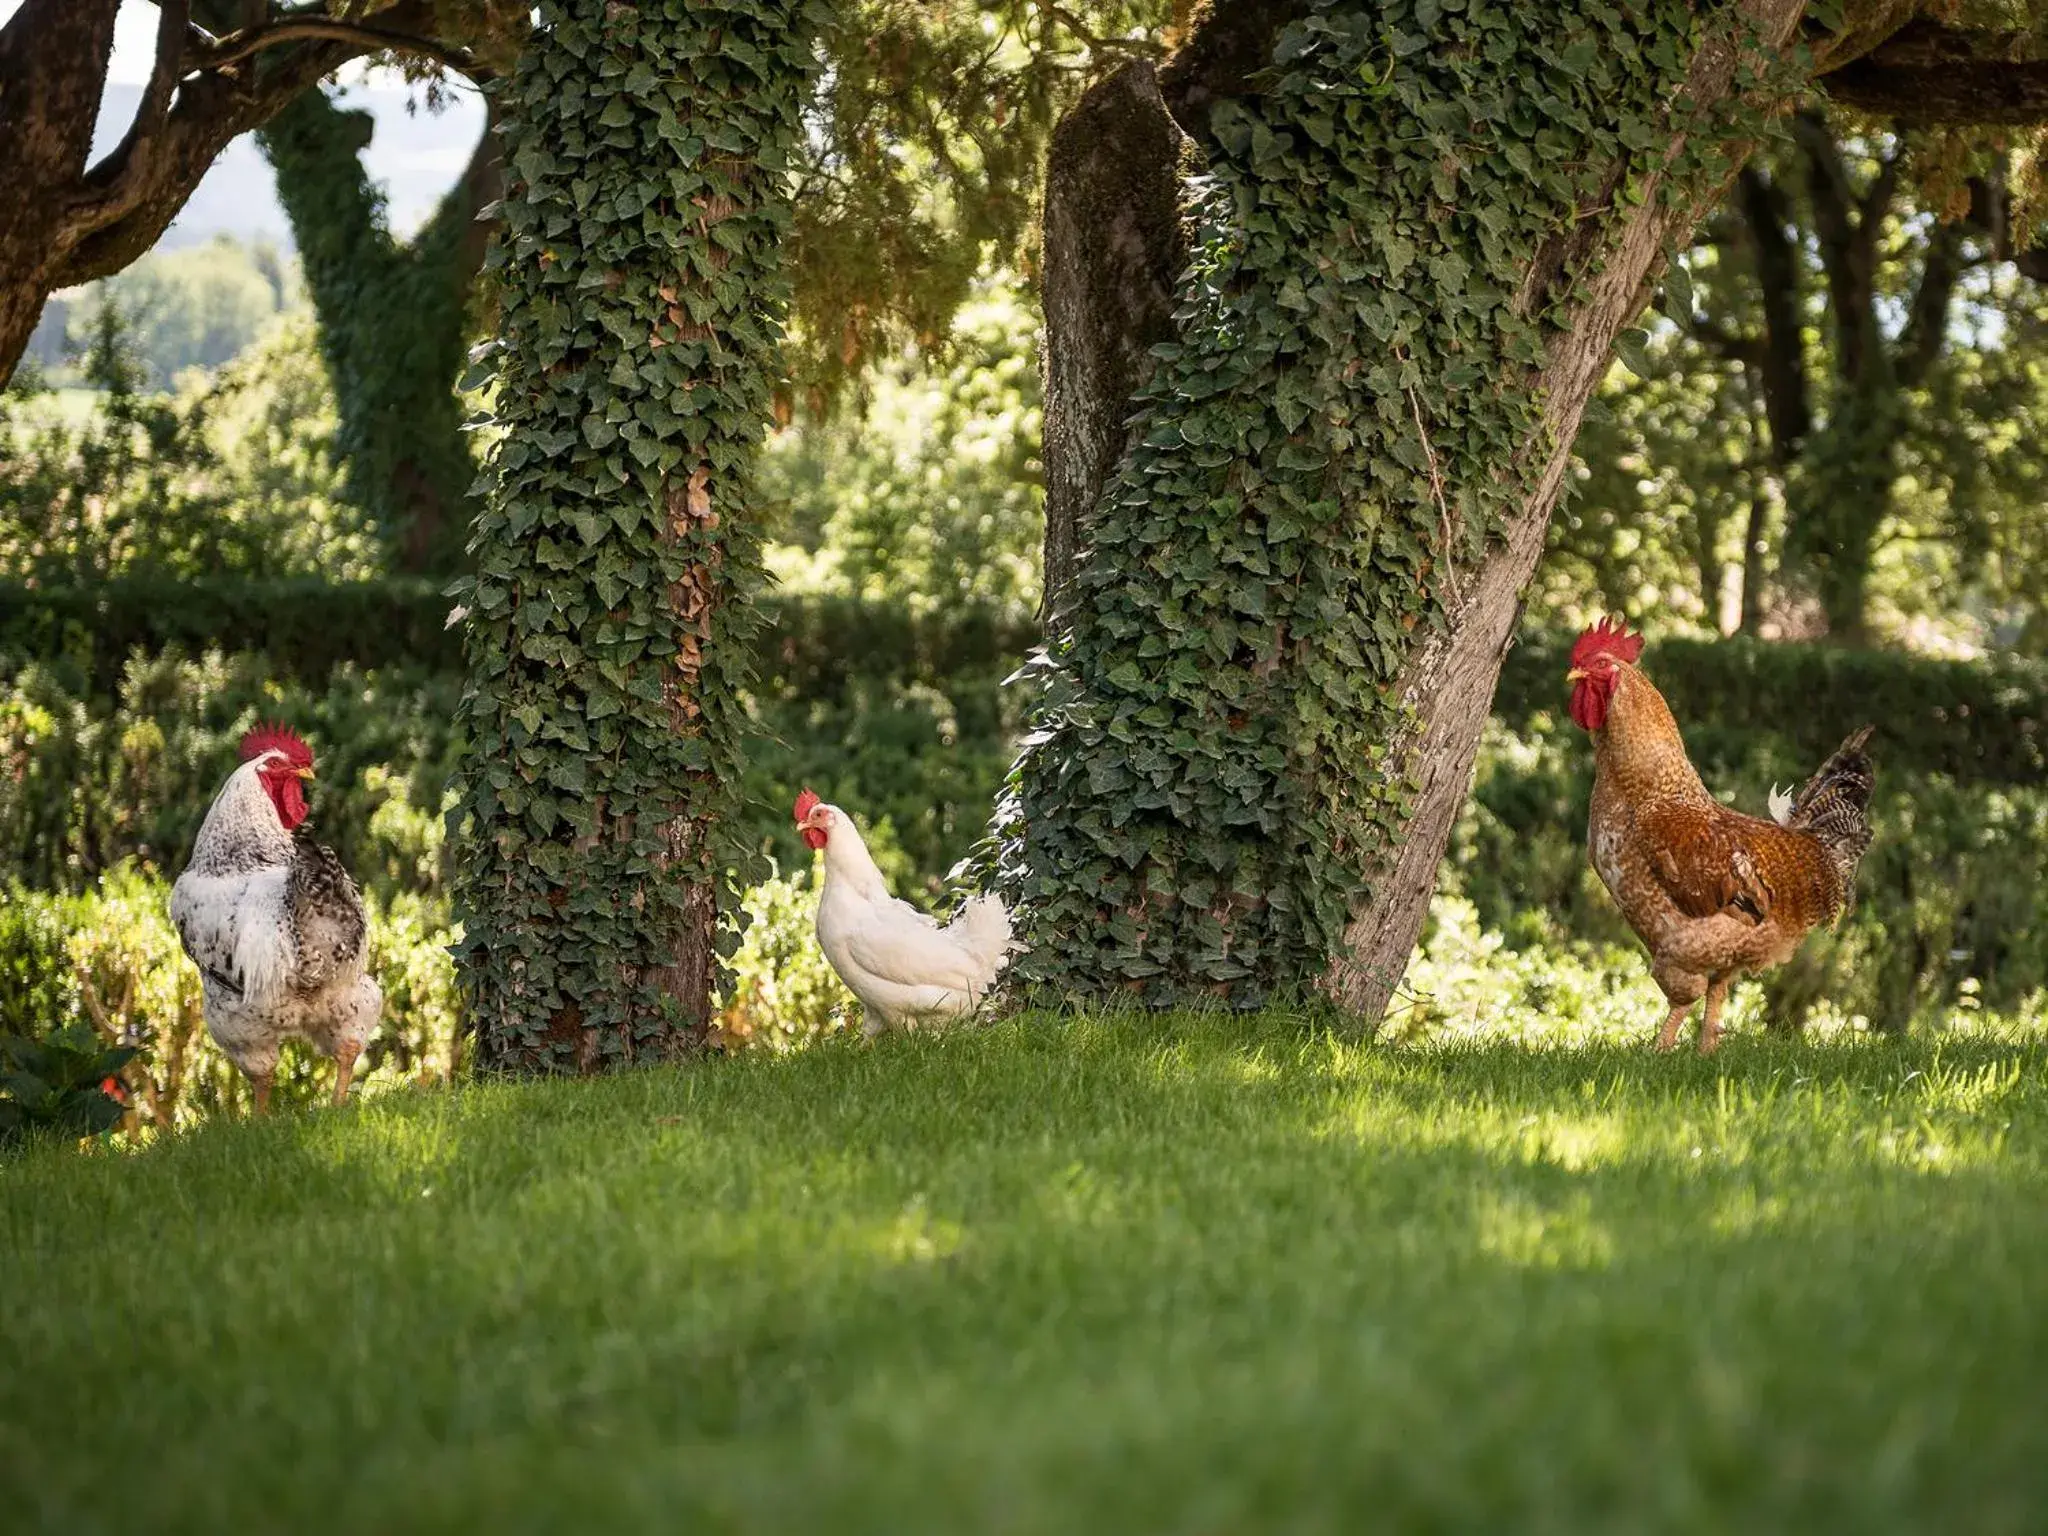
column 1145, row 1272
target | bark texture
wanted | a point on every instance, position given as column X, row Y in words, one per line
column 1112, row 252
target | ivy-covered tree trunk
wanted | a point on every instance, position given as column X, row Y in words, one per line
column 609, row 626
column 1416, row 241
column 394, row 320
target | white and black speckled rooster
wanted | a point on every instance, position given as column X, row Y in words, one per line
column 274, row 922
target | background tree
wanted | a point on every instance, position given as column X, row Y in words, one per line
column 1293, row 577
column 1842, row 407
column 396, row 320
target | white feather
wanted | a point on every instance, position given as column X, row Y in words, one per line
column 230, row 908
column 899, row 962
column 1781, row 806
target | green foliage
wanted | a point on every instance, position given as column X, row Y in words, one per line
column 897, row 715
column 780, row 992
column 610, row 623
column 88, row 780
column 304, row 626
column 199, row 307
column 1978, row 721
column 393, row 327
column 926, row 148
column 1856, row 384
column 55, row 1086
column 115, row 975
column 1342, row 422
column 232, row 483
column 931, row 495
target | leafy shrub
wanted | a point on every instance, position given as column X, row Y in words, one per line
column 88, row 779
column 781, row 992
column 119, row 975
column 307, row 626
column 232, row 480
column 1981, row 720
column 64, row 1084
column 86, row 783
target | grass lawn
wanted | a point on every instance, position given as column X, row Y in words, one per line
column 1140, row 1275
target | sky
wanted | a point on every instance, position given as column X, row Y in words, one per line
column 416, row 157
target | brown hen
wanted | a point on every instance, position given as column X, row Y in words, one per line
column 1713, row 893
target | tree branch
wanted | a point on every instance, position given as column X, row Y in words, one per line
column 115, row 180
column 126, row 201
column 1927, row 75
column 222, row 51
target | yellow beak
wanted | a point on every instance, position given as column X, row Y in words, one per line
column 1577, row 675
column 306, row 772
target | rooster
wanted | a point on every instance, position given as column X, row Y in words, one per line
column 274, row 922
column 1713, row 893
column 900, row 963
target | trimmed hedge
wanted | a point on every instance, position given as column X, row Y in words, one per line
column 811, row 647
column 1977, row 720
column 306, row 628
column 1983, row 721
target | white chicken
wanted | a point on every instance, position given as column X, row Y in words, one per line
column 274, row 922
column 901, row 964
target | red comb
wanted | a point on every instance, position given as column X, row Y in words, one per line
column 1609, row 637
column 806, row 803
column 273, row 737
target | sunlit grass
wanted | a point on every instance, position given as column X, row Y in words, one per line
column 1135, row 1274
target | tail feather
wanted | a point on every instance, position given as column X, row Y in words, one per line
column 983, row 928
column 1833, row 806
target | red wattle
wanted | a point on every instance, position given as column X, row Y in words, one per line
column 1588, row 707
column 814, row 838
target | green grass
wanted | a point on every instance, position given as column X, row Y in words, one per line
column 1173, row 1275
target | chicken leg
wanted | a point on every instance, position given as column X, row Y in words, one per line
column 1668, row 1036
column 260, row 1083
column 344, row 1070
column 1710, row 1025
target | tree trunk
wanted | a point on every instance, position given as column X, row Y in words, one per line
column 1755, row 538
column 1266, row 691
column 1112, row 252
column 610, row 627
column 53, row 67
column 394, row 321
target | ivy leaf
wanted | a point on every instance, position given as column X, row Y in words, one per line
column 1629, row 347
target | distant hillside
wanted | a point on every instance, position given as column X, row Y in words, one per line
column 416, row 156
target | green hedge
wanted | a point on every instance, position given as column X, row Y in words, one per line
column 306, row 628
column 90, row 778
column 812, row 646
column 1985, row 721
column 1950, row 904
column 1979, row 720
